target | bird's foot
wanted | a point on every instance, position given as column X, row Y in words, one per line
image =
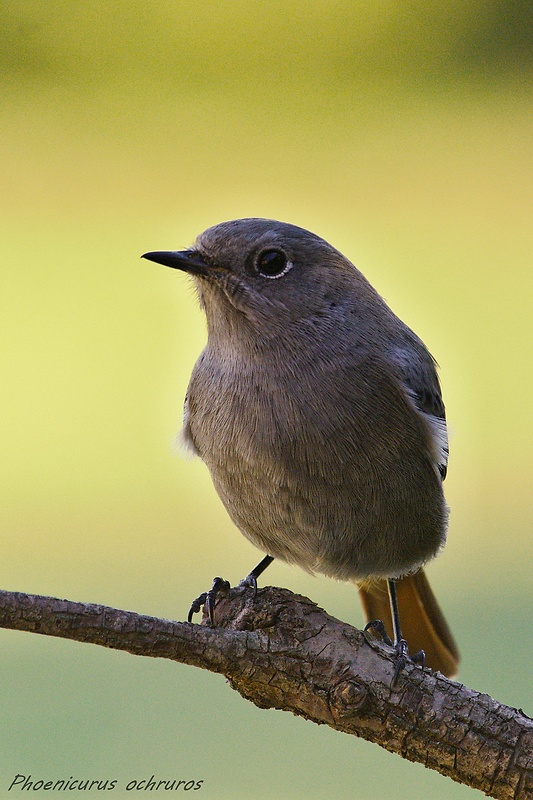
column 401, row 647
column 221, row 587
column 250, row 582
column 403, row 658
column 378, row 626
column 218, row 588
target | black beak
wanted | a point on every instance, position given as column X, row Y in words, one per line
column 187, row 260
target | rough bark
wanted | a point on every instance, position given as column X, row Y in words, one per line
column 280, row 650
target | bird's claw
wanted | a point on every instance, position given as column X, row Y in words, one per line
column 401, row 647
column 219, row 587
column 403, row 658
column 378, row 626
column 196, row 605
column 250, row 582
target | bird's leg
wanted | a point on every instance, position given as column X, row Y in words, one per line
column 251, row 578
column 220, row 587
column 399, row 643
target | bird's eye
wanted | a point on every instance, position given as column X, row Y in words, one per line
column 273, row 264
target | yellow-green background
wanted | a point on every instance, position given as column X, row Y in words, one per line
column 399, row 131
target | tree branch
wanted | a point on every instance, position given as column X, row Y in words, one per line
column 280, row 650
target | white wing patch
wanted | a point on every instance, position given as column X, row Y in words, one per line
column 440, row 441
column 438, row 435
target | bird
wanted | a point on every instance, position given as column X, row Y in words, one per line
column 320, row 417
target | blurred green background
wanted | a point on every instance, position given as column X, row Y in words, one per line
column 400, row 132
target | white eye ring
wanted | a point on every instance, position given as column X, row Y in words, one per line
column 269, row 261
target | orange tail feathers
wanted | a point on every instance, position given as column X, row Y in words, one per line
column 422, row 621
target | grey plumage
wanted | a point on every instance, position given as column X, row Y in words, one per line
column 317, row 411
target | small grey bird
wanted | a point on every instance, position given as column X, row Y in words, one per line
column 319, row 415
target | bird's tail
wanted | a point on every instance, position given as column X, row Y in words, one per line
column 422, row 621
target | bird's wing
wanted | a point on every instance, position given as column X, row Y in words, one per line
column 418, row 374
